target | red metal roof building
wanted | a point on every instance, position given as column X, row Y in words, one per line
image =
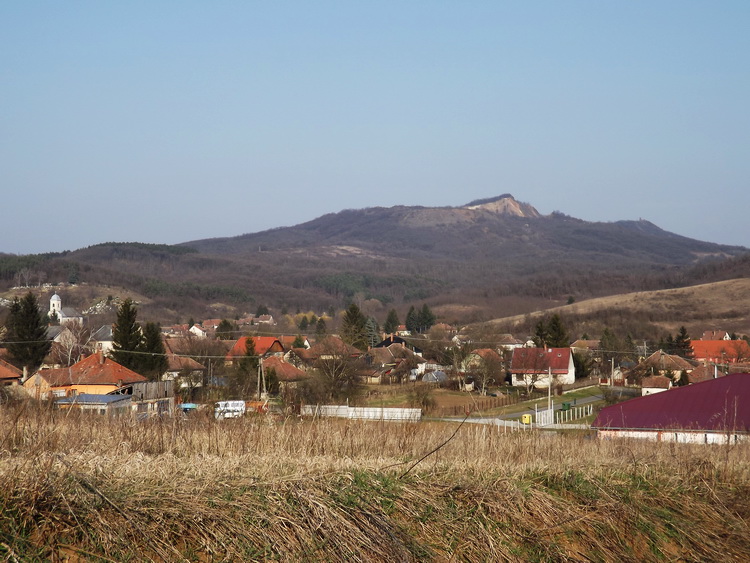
column 710, row 412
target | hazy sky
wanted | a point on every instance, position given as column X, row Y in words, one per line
column 172, row 121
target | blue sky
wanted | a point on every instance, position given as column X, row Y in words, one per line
column 173, row 121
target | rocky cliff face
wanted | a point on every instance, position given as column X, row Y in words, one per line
column 504, row 205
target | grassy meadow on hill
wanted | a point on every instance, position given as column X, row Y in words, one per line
column 81, row 488
column 650, row 314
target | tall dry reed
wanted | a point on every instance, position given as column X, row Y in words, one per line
column 261, row 487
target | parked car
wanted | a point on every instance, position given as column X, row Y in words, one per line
column 229, row 409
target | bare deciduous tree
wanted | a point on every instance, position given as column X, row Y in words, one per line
column 73, row 344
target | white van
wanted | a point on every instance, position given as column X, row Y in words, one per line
column 229, row 409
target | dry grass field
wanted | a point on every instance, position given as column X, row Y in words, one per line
column 86, row 488
column 720, row 305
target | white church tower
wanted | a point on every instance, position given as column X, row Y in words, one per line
column 55, row 307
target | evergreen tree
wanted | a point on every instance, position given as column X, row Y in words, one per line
column 609, row 344
column 583, row 363
column 682, row 345
column 373, row 331
column 557, row 335
column 299, row 342
column 246, row 372
column 261, row 310
column 541, row 334
column 153, row 360
column 26, row 336
column 631, row 349
column 226, row 330
column 127, row 336
column 426, row 318
column 666, row 344
column 391, row 322
column 320, row 327
column 412, row 320
column 304, row 323
column 353, row 327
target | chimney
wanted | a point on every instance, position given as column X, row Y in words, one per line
column 101, row 356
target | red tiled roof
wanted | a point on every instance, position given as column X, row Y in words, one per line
column 100, row 370
column 714, row 335
column 263, row 345
column 540, row 360
column 720, row 350
column 661, row 361
column 284, row 370
column 382, row 355
column 331, row 345
column 288, row 341
column 656, row 382
column 721, row 404
column 304, row 354
column 703, row 373
column 489, row 354
column 9, row 371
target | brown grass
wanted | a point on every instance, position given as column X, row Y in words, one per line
column 89, row 488
column 700, row 307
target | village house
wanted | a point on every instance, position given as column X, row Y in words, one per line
column 102, row 339
column 9, row 374
column 287, row 374
column 198, row 331
column 187, row 372
column 480, row 358
column 720, row 351
column 663, row 364
column 287, row 341
column 383, row 363
column 715, row 335
column 655, row 384
column 332, row 347
column 542, row 367
column 508, row 342
column 393, row 339
column 264, row 346
column 95, row 375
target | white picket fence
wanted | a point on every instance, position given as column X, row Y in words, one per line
column 362, row 413
column 548, row 417
column 574, row 413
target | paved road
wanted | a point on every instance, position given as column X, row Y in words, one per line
column 558, row 401
column 512, row 421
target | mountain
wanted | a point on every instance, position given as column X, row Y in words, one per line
column 487, row 254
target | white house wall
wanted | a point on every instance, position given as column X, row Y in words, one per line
column 678, row 436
